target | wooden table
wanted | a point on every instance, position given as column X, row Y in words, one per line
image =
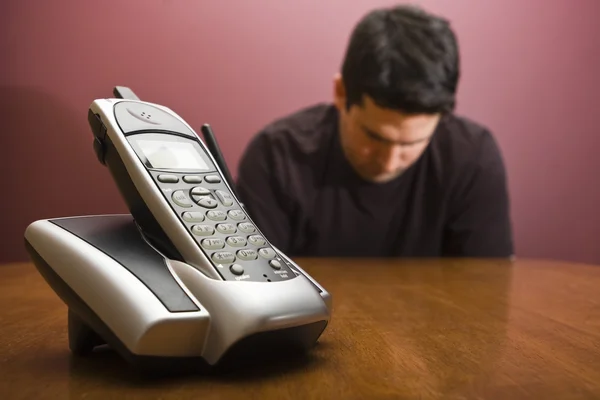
column 401, row 329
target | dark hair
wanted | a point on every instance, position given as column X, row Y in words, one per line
column 404, row 59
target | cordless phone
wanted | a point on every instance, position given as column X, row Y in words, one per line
column 180, row 192
column 186, row 278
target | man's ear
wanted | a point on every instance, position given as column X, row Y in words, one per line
column 339, row 92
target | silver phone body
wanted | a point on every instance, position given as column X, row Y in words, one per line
column 178, row 300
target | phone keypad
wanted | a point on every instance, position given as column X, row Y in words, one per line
column 256, row 240
column 199, row 191
column 225, row 198
column 203, row 230
column 267, row 253
column 212, row 179
column 221, row 228
column 223, row 257
column 226, row 228
column 237, row 241
column 193, row 216
column 192, row 179
column 237, row 215
column 246, row 227
column 168, row 178
column 213, row 243
column 207, row 202
column 247, row 254
column 181, row 199
column 216, row 215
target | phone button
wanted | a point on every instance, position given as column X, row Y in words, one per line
column 256, row 240
column 275, row 264
column 212, row 179
column 207, row 202
column 203, row 230
column 236, row 241
column 238, row 215
column 246, row 227
column 223, row 257
column 267, row 252
column 200, row 191
column 191, row 216
column 226, row 228
column 225, row 198
column 168, row 179
column 213, row 244
column 181, row 199
column 192, row 179
column 236, row 269
column 247, row 254
column 216, row 215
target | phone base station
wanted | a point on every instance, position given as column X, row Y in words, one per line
column 162, row 314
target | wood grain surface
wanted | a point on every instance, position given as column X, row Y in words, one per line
column 401, row 329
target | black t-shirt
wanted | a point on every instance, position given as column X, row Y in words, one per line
column 307, row 200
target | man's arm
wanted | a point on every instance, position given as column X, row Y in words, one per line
column 260, row 188
column 479, row 223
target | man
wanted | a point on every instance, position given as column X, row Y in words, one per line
column 387, row 170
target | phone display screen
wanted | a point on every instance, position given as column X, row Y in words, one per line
column 171, row 155
column 166, row 151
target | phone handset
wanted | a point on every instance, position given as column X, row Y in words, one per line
column 179, row 190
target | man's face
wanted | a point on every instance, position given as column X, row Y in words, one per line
column 379, row 143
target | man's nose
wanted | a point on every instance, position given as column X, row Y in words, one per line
column 390, row 157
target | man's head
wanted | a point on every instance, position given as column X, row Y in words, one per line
column 399, row 76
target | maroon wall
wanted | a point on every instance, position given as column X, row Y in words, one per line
column 530, row 73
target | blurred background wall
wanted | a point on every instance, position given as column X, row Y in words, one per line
column 530, row 72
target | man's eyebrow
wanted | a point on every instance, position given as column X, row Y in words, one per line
column 376, row 136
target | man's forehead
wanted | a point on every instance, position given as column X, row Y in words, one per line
column 372, row 113
column 394, row 126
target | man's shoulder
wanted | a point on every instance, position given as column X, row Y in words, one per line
column 290, row 148
column 301, row 131
column 464, row 154
column 463, row 132
column 465, row 141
